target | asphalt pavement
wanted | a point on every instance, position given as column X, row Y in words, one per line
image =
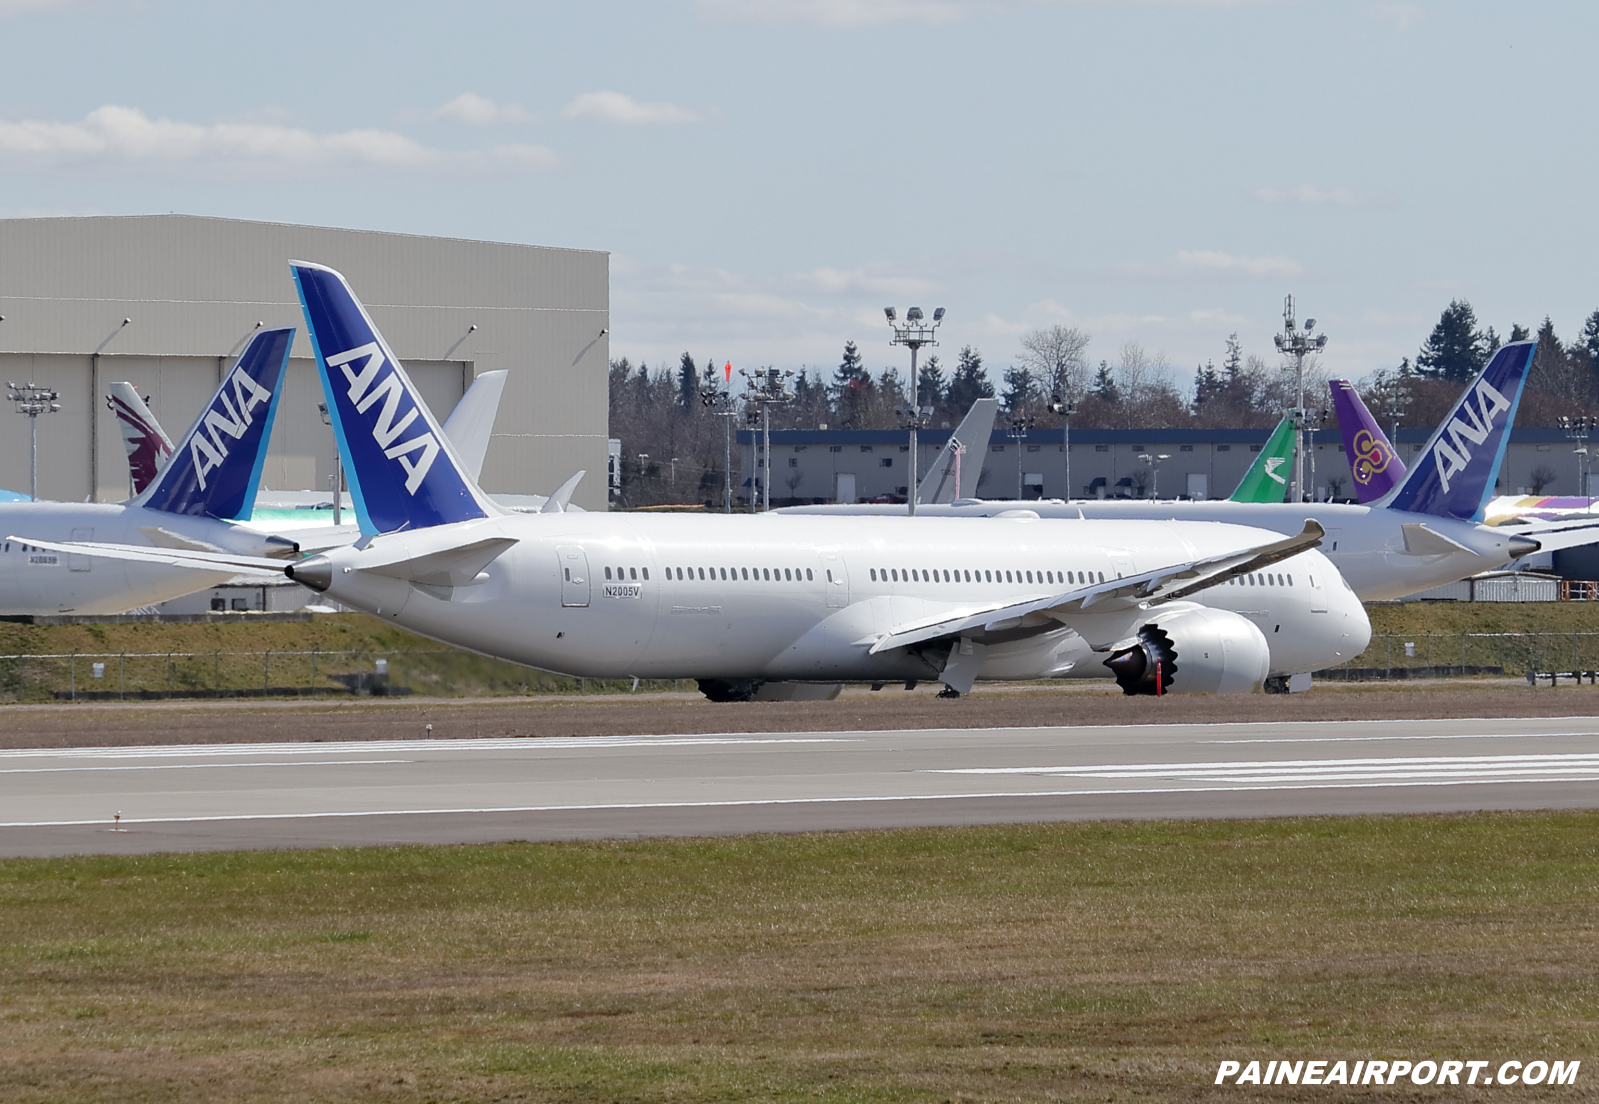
column 194, row 797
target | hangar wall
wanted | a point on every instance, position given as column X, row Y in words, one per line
column 195, row 288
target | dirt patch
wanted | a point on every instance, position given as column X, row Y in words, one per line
column 113, row 725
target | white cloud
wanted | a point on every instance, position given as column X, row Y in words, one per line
column 1309, row 195
column 124, row 138
column 470, row 109
column 1215, row 261
column 624, row 110
column 871, row 13
column 1402, row 16
column 877, row 280
column 21, row 7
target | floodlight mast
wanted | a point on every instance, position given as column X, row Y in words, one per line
column 722, row 406
column 33, row 400
column 1297, row 343
column 763, row 390
column 913, row 333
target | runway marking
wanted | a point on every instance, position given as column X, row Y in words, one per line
column 345, row 747
column 1369, row 739
column 205, row 766
column 1566, row 768
column 624, row 806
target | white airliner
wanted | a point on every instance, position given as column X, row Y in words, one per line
column 773, row 605
column 212, row 476
column 1429, row 530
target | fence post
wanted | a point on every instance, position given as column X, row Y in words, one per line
column 169, row 676
column 1462, row 653
column 216, row 672
column 266, row 670
column 313, row 670
column 122, row 681
column 74, row 676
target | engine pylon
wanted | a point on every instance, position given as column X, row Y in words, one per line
column 1134, row 667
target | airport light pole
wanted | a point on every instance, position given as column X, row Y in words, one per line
column 1297, row 342
column 1154, row 460
column 721, row 405
column 1577, row 429
column 1020, row 423
column 34, row 400
column 1393, row 395
column 913, row 333
column 338, row 465
column 1059, row 404
column 765, row 389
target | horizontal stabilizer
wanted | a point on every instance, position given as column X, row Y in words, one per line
column 1165, row 584
column 1422, row 541
column 167, row 557
column 450, row 567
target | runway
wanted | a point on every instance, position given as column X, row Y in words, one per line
column 229, row 796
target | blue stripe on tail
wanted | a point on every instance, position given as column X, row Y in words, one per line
column 403, row 472
column 1455, row 474
column 216, row 468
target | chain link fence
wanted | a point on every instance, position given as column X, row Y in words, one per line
column 156, row 676
column 1432, row 655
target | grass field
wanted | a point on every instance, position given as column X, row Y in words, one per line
column 1059, row 962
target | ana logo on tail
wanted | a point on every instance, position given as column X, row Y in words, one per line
column 1470, row 426
column 366, row 391
column 229, row 417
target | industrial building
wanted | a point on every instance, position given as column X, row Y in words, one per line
column 166, row 301
column 824, row 465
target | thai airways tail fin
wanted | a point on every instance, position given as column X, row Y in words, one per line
column 215, row 469
column 403, row 471
column 1267, row 479
column 1455, row 474
column 939, row 485
column 148, row 446
column 1372, row 458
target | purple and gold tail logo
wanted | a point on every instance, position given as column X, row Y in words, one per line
column 1372, row 456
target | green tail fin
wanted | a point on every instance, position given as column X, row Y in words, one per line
column 1267, row 478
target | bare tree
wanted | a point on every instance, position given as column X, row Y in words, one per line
column 1056, row 357
column 1540, row 477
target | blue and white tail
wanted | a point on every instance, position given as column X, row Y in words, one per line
column 1455, row 474
column 403, row 472
column 216, row 468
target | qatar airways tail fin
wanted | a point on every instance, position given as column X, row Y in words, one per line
column 148, row 446
column 1267, row 478
column 1372, row 458
column 970, row 440
column 403, row 471
column 216, row 467
column 1455, row 474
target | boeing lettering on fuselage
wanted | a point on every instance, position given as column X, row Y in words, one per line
column 1471, row 424
column 229, row 414
column 365, row 392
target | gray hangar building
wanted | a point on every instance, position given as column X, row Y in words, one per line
column 167, row 302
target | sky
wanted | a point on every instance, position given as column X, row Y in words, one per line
column 767, row 175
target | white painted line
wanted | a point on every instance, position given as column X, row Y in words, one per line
column 1134, row 770
column 101, row 821
column 204, row 766
column 1370, row 739
column 347, row 747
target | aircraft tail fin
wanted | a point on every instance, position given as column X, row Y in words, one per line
column 1372, row 458
column 215, row 469
column 1455, row 474
column 1267, row 478
column 471, row 423
column 939, row 484
column 404, row 473
column 148, row 446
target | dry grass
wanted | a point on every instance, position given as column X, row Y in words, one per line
column 1077, row 961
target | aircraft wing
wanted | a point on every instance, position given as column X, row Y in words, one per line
column 1166, row 584
column 168, row 557
column 1556, row 534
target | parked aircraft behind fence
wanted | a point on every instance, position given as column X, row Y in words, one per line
column 774, row 605
column 213, row 476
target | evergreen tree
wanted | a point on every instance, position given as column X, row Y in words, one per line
column 930, row 382
column 1518, row 332
column 688, row 383
column 1233, row 362
column 1589, row 339
column 1104, row 388
column 1021, row 390
column 851, row 388
column 1208, row 384
column 969, row 382
column 1455, row 349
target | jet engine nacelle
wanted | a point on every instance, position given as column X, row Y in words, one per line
column 1198, row 651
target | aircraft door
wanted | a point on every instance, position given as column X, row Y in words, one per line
column 1318, row 593
column 835, row 579
column 574, row 567
column 1122, row 561
column 81, row 563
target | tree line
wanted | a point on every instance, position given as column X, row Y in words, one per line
column 673, row 438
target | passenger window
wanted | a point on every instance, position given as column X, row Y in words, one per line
column 787, row 577
column 766, row 574
column 569, row 574
column 1290, row 580
column 632, row 573
column 746, row 573
column 873, row 570
column 1007, row 577
column 830, row 574
column 895, row 572
column 646, row 574
column 808, row 575
column 607, row 573
column 1029, row 576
